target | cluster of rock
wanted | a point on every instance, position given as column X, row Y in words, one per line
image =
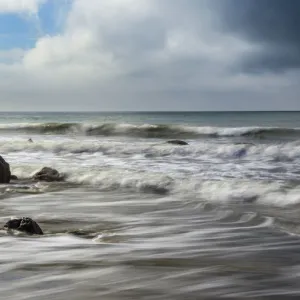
column 25, row 224
column 45, row 174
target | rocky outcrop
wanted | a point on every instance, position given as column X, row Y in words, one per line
column 177, row 142
column 24, row 224
column 4, row 171
column 48, row 174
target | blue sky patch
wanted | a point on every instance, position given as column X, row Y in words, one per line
column 16, row 32
column 23, row 30
column 53, row 15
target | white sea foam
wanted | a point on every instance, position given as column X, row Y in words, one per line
column 148, row 149
column 207, row 169
column 207, row 187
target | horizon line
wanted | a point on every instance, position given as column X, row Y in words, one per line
column 144, row 111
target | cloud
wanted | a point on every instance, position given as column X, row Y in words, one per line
column 11, row 56
column 113, row 38
column 145, row 55
column 271, row 26
column 20, row 6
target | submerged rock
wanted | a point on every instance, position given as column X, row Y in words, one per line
column 48, row 174
column 24, row 224
column 13, row 177
column 177, row 142
column 4, row 171
column 240, row 153
column 243, row 151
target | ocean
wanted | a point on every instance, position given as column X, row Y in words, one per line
column 139, row 218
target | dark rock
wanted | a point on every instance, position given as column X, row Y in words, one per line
column 13, row 177
column 48, row 174
column 250, row 199
column 177, row 142
column 30, row 140
column 24, row 224
column 4, row 171
column 240, row 153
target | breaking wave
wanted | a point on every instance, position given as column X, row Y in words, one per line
column 216, row 192
column 150, row 130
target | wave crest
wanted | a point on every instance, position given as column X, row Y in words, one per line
column 151, row 130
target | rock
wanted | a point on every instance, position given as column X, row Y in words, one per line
column 13, row 177
column 240, row 153
column 30, row 140
column 177, row 142
column 4, row 171
column 48, row 174
column 24, row 224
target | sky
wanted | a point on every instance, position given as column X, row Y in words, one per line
column 141, row 55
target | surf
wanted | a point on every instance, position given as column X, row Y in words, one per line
column 166, row 131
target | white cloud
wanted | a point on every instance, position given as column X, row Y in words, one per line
column 13, row 55
column 119, row 37
column 20, row 6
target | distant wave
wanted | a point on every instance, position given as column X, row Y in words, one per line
column 152, row 149
column 41, row 128
column 150, row 130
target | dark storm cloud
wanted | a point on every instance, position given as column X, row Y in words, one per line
column 271, row 26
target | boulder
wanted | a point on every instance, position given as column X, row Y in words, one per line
column 4, row 171
column 13, row 177
column 48, row 174
column 24, row 224
column 177, row 142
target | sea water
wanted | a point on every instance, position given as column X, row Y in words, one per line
column 139, row 218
